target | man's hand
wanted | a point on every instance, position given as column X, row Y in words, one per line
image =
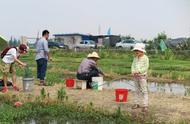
column 50, row 59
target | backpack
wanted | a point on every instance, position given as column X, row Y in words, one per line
column 4, row 52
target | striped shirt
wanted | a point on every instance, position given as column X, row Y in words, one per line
column 86, row 66
column 140, row 65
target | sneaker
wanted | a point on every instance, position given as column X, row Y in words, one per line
column 4, row 90
column 42, row 83
column 15, row 88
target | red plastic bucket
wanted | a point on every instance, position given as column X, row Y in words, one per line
column 70, row 82
column 121, row 95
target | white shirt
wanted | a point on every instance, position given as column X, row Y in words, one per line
column 42, row 49
column 9, row 57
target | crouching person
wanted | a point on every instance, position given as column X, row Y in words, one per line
column 88, row 69
column 9, row 56
column 139, row 71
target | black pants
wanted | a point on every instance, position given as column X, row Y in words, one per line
column 88, row 77
column 41, row 68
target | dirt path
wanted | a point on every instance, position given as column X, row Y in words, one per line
column 163, row 107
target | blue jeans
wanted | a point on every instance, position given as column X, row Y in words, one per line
column 41, row 68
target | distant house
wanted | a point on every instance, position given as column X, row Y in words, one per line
column 107, row 40
column 71, row 40
column 176, row 43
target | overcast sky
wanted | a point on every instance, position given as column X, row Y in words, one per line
column 139, row 18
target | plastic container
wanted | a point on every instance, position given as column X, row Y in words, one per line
column 121, row 95
column 94, row 85
column 70, row 83
column 28, row 84
column 97, row 83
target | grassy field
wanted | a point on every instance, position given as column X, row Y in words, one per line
column 114, row 63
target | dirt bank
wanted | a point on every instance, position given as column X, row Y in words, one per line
column 163, row 107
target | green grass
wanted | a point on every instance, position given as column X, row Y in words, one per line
column 39, row 110
column 111, row 62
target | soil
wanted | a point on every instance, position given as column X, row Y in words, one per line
column 162, row 107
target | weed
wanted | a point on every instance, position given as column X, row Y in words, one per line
column 43, row 93
column 61, row 94
column 28, row 73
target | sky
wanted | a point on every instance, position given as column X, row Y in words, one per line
column 142, row 19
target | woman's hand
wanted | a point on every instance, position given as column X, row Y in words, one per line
column 23, row 64
column 136, row 74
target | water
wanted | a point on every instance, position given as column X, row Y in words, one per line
column 171, row 88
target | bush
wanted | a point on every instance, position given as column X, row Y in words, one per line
column 3, row 44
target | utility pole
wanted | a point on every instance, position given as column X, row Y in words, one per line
column 38, row 37
column 99, row 30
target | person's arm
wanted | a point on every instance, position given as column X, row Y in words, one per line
column 13, row 53
column 19, row 62
column 145, row 66
column 133, row 67
column 101, row 72
column 94, row 66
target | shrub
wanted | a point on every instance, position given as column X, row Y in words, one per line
column 3, row 44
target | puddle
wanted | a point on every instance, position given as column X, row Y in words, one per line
column 172, row 88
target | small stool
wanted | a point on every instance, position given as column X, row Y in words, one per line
column 81, row 84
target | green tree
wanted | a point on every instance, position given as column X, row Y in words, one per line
column 157, row 40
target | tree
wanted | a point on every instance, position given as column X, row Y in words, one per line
column 157, row 40
column 14, row 42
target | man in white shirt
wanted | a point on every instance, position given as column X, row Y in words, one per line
column 42, row 56
column 9, row 56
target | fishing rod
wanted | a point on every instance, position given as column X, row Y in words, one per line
column 95, row 85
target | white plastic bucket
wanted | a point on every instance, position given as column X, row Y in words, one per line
column 28, row 84
column 99, row 81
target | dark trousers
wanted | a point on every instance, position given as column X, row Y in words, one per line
column 41, row 68
column 88, row 77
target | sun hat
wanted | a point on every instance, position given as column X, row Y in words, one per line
column 23, row 47
column 93, row 55
column 139, row 47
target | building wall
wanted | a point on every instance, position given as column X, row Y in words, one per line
column 70, row 41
